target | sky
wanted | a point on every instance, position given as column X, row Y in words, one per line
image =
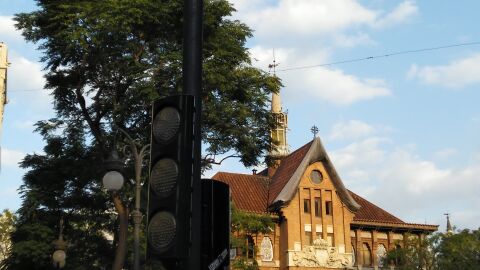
column 401, row 130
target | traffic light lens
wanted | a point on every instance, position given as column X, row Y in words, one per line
column 164, row 177
column 166, row 124
column 161, row 231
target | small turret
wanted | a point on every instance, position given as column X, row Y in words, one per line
column 279, row 133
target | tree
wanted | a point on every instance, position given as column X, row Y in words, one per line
column 439, row 252
column 459, row 251
column 105, row 63
column 244, row 226
column 416, row 253
column 7, row 223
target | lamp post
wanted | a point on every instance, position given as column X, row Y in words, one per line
column 113, row 181
column 59, row 256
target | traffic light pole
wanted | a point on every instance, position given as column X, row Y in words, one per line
column 192, row 85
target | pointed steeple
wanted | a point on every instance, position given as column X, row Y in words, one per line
column 279, row 133
column 449, row 225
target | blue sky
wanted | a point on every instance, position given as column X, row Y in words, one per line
column 401, row 130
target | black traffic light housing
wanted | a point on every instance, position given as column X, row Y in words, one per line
column 170, row 183
column 215, row 225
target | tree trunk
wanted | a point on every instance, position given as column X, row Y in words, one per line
column 122, row 232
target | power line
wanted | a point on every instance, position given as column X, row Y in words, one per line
column 380, row 56
column 339, row 62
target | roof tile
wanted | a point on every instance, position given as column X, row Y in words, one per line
column 286, row 169
column 370, row 212
column 249, row 192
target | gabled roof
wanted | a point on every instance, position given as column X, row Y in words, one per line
column 371, row 215
column 287, row 177
column 260, row 194
column 249, row 192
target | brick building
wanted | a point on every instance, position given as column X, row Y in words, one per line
column 319, row 223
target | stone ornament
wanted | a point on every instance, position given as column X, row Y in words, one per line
column 266, row 249
column 321, row 255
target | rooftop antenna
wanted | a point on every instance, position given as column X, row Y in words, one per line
column 274, row 65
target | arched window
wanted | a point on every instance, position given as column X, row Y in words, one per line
column 250, row 247
column 381, row 255
column 366, row 255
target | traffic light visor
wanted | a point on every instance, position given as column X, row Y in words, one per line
column 164, row 177
column 161, row 231
column 166, row 124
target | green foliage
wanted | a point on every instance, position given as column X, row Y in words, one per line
column 7, row 226
column 459, row 251
column 439, row 252
column 105, row 63
column 416, row 254
column 246, row 224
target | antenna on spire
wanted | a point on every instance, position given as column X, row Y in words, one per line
column 274, row 65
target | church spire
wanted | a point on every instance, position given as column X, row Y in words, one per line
column 279, row 133
column 449, row 225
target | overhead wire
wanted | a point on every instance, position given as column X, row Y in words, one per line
column 342, row 61
column 379, row 56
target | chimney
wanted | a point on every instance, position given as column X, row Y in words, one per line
column 254, row 171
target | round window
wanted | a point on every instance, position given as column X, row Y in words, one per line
column 316, row 176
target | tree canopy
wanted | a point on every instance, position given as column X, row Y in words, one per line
column 105, row 62
column 439, row 251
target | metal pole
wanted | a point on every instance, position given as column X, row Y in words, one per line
column 138, row 157
column 192, row 85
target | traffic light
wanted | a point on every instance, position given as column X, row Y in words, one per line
column 170, row 183
column 215, row 225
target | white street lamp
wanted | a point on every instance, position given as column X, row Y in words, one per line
column 113, row 181
column 59, row 256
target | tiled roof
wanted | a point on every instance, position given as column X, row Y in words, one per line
column 370, row 212
column 286, row 169
column 249, row 192
column 255, row 193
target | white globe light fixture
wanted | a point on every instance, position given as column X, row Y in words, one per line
column 59, row 258
column 59, row 255
column 113, row 181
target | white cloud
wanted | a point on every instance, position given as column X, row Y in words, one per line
column 352, row 129
column 335, row 86
column 25, row 125
column 313, row 17
column 332, row 85
column 307, row 16
column 357, row 155
column 445, row 153
column 11, row 158
column 407, row 185
column 26, row 77
column 401, row 14
column 352, row 40
column 457, row 74
column 24, row 74
column 7, row 28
